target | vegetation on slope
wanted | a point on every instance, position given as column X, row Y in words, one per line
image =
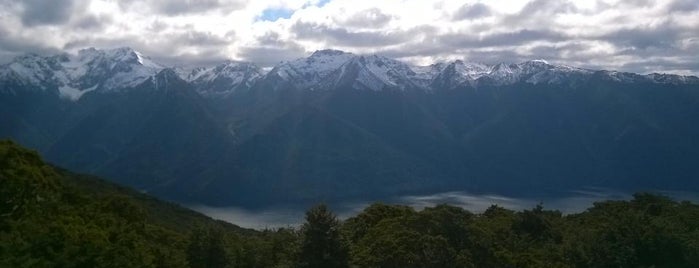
column 53, row 218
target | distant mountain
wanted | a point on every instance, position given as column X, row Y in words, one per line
column 336, row 125
column 223, row 79
column 74, row 75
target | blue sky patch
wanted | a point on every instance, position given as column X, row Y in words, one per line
column 273, row 14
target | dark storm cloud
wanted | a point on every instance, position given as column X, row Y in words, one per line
column 500, row 39
column 342, row 36
column 43, row 12
column 470, row 12
column 370, row 18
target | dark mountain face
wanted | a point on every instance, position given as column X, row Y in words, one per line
column 336, row 126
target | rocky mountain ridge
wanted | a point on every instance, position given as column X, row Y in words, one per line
column 110, row 70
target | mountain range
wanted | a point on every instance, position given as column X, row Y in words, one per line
column 336, row 126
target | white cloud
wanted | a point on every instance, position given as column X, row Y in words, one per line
column 641, row 36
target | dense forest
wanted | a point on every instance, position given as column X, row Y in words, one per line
column 51, row 217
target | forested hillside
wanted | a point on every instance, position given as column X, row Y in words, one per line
column 53, row 218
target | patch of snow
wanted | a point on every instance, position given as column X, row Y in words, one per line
column 307, row 72
column 72, row 93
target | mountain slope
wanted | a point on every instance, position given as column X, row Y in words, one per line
column 339, row 125
column 160, row 125
column 52, row 217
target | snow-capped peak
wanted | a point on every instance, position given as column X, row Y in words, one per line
column 104, row 70
column 540, row 61
column 224, row 78
column 306, row 72
column 89, row 70
column 373, row 72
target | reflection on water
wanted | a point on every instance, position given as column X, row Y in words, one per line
column 290, row 216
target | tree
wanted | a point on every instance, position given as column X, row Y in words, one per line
column 206, row 249
column 321, row 245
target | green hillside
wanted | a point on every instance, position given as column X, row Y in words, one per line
column 50, row 217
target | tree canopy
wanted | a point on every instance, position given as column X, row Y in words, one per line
column 53, row 218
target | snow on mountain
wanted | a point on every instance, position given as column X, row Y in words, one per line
column 376, row 73
column 458, row 73
column 424, row 75
column 224, row 78
column 32, row 69
column 307, row 72
column 90, row 70
column 109, row 69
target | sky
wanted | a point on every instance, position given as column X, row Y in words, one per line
column 640, row 36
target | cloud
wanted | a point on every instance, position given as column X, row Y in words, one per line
column 342, row 36
column 368, row 18
column 40, row 12
column 271, row 55
column 472, row 11
column 12, row 46
column 197, row 39
column 92, row 22
column 501, row 39
column 661, row 36
column 286, row 216
column 638, row 36
column 683, row 6
column 189, row 48
column 180, row 7
column 539, row 13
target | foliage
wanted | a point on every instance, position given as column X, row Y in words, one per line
column 321, row 245
column 52, row 218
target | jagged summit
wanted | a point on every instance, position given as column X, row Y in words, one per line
column 225, row 78
column 89, row 70
column 104, row 70
column 305, row 73
column 167, row 74
column 373, row 72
